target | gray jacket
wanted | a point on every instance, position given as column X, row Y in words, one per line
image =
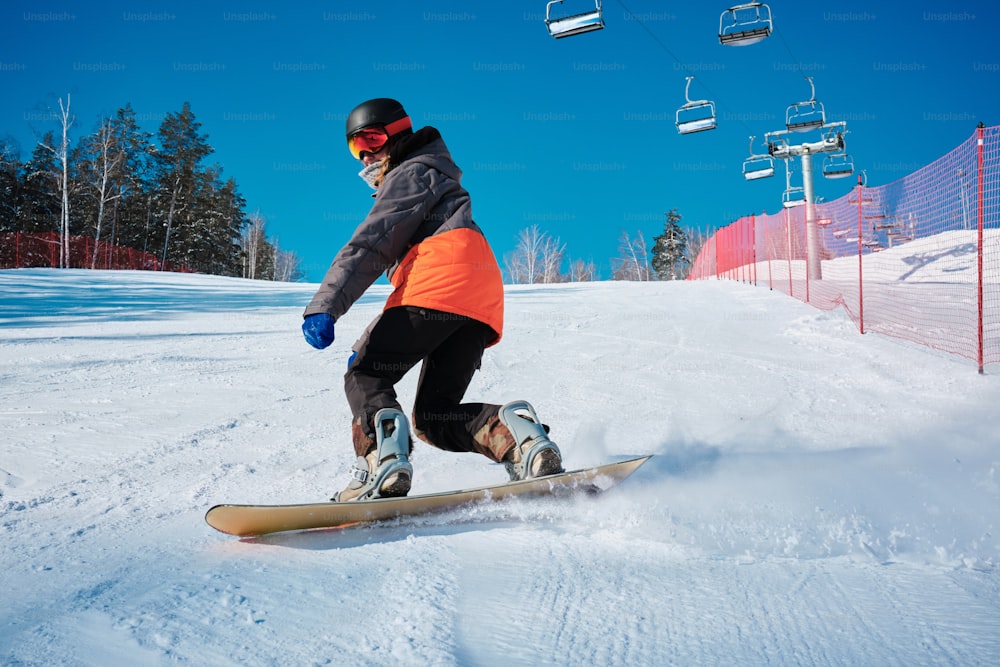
column 419, row 198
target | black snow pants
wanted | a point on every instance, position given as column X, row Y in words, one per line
column 450, row 348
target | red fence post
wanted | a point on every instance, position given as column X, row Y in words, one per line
column 788, row 250
column 716, row 249
column 723, row 252
column 731, row 250
column 741, row 250
column 745, row 255
column 734, row 250
column 979, row 252
column 861, row 272
column 768, row 253
column 739, row 272
column 744, row 265
column 808, row 257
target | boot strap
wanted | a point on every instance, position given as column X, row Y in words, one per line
column 359, row 473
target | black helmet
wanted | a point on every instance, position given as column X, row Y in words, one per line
column 380, row 112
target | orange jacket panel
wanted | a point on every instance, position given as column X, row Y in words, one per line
column 454, row 272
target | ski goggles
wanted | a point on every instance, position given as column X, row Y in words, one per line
column 373, row 139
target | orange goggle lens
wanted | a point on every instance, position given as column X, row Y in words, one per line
column 373, row 139
column 366, row 141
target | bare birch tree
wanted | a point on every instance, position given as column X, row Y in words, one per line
column 67, row 122
column 514, row 268
column 61, row 153
column 581, row 271
column 552, row 252
column 529, row 243
column 536, row 259
column 262, row 258
column 253, row 242
column 632, row 262
column 286, row 265
column 104, row 171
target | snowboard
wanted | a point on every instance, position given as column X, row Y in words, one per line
column 252, row 520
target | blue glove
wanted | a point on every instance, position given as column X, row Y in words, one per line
column 318, row 330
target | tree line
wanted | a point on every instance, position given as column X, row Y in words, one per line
column 128, row 187
column 540, row 258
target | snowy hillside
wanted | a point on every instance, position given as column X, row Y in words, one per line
column 948, row 257
column 816, row 496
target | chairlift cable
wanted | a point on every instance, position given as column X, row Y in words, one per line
column 795, row 61
column 683, row 66
column 656, row 39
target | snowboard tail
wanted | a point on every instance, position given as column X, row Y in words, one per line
column 250, row 520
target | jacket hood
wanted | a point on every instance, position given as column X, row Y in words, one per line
column 427, row 147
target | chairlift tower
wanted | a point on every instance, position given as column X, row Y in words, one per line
column 809, row 117
column 779, row 147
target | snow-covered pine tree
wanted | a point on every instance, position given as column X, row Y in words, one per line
column 38, row 210
column 670, row 249
column 10, row 185
column 124, row 190
column 131, row 210
column 177, row 164
column 212, row 226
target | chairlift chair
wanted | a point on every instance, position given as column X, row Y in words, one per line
column 793, row 196
column 805, row 116
column 695, row 115
column 875, row 213
column 838, row 165
column 573, row 24
column 756, row 167
column 745, row 24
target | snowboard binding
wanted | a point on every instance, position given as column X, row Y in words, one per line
column 534, row 455
column 386, row 471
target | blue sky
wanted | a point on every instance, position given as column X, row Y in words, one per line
column 575, row 135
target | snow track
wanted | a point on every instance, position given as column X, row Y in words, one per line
column 817, row 497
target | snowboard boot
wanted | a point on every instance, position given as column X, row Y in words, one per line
column 533, row 455
column 385, row 471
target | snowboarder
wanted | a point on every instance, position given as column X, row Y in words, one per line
column 446, row 308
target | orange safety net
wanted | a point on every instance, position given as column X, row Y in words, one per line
column 916, row 259
column 20, row 251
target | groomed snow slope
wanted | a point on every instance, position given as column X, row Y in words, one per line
column 817, row 496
